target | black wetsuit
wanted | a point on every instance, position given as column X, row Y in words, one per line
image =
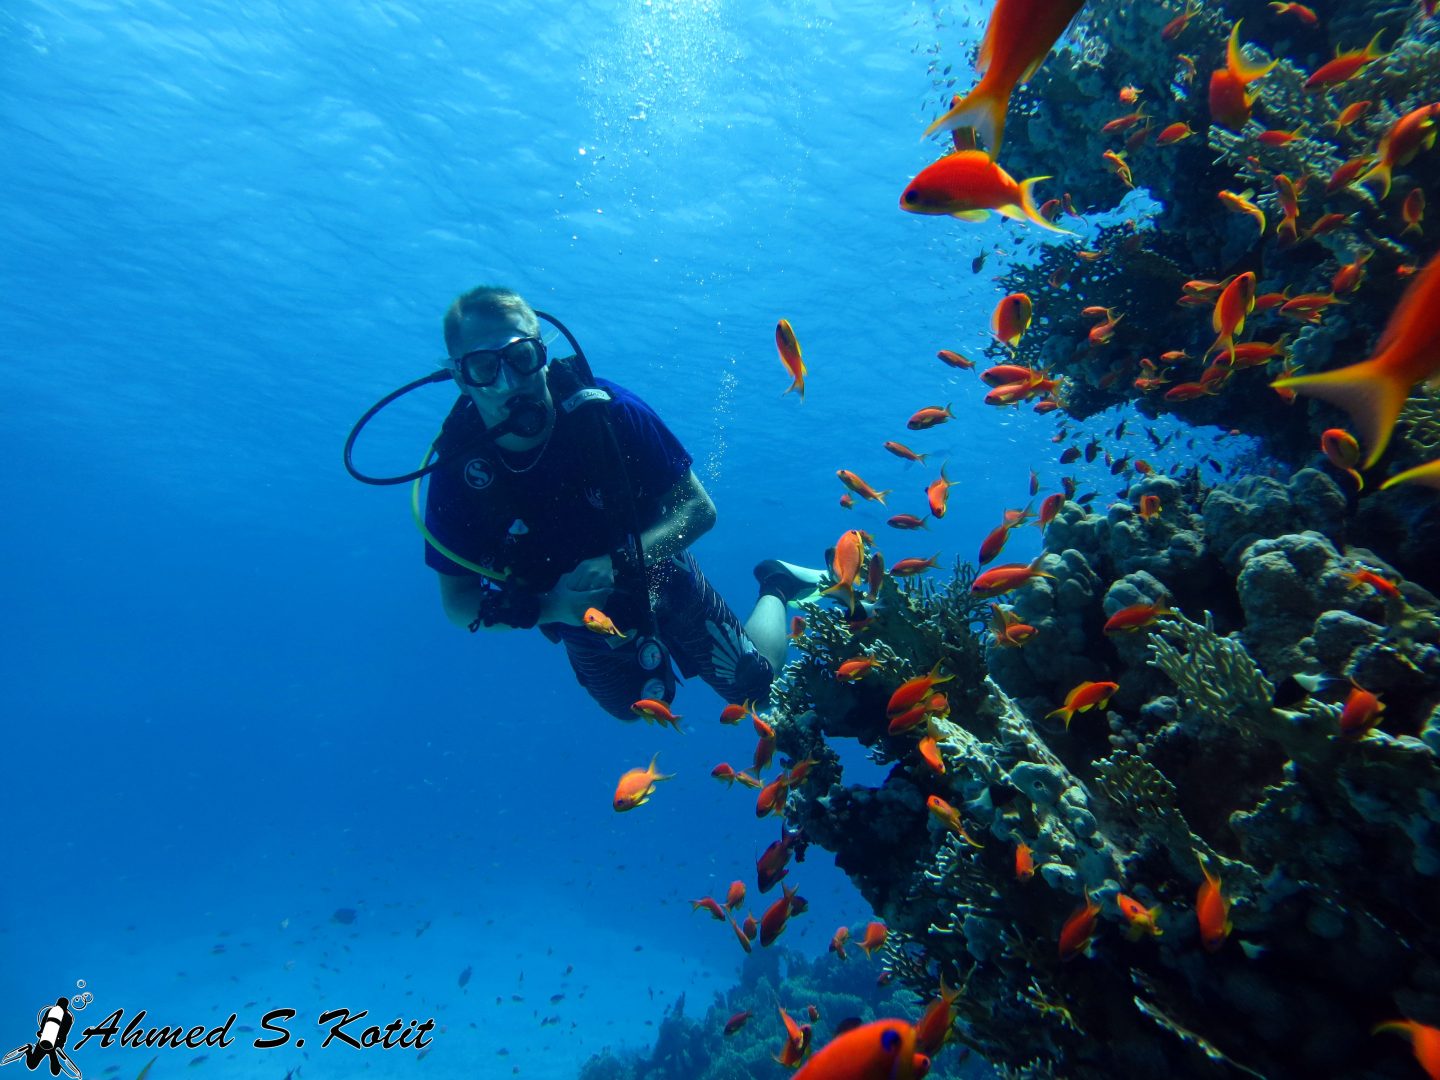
column 538, row 519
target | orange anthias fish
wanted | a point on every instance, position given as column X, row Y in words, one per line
column 1413, row 132
column 1009, row 322
column 1149, row 507
column 860, row 487
column 912, row 566
column 1173, row 29
column 1139, row 920
column 736, row 1022
column 1230, row 102
column 955, row 360
column 1075, row 935
column 656, row 712
column 846, row 564
column 1345, row 65
column 1087, row 695
column 900, row 450
column 1228, row 318
column 1173, row 133
column 1240, row 204
column 1024, row 862
column 772, row 923
column 968, row 185
column 929, row 416
column 856, row 669
column 1340, row 447
column 637, row 785
column 1424, row 1042
column 1212, row 911
column 934, row 1026
column 710, row 904
column 1408, row 352
column 911, row 691
column 736, row 896
column 882, row 1050
column 790, row 356
column 1017, row 39
column 598, row 621
column 1002, row 579
column 837, row 942
column 948, row 816
column 1361, row 714
column 1300, row 11
column 937, row 493
column 875, row 935
column 1412, row 211
column 1135, row 617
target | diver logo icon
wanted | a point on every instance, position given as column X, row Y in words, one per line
column 479, row 473
column 52, row 1024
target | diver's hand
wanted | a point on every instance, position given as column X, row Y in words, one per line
column 588, row 585
column 592, row 574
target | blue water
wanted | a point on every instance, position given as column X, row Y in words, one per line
column 232, row 703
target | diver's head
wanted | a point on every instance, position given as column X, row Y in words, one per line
column 496, row 356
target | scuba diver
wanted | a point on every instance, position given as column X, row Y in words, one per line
column 562, row 501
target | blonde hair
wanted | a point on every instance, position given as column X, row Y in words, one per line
column 490, row 300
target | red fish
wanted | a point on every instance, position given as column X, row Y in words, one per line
column 1306, row 15
column 846, row 564
column 735, row 896
column 934, row 1026
column 1340, row 447
column 1230, row 102
column 1412, row 211
column 1413, row 132
column 771, row 799
column 1079, row 928
column 1408, row 352
column 1002, row 579
column 905, row 521
column 937, row 493
column 772, row 923
column 1228, row 318
column 1085, row 696
column 1361, row 714
column 1173, row 133
column 948, row 816
column 968, row 185
column 837, row 942
column 911, row 567
column 1017, row 39
column 1424, row 1042
column 955, row 360
column 740, row 934
column 636, row 786
column 928, row 417
column 875, row 935
column 736, row 1022
column 911, row 691
column 790, row 357
column 1135, row 617
column 882, row 1050
column 1345, row 65
column 1172, row 29
column 1049, row 508
column 930, row 753
column 1009, row 322
column 1139, row 919
column 860, row 487
column 656, row 712
column 900, row 450
column 710, row 904
column 1212, row 912
column 1024, row 862
column 856, row 669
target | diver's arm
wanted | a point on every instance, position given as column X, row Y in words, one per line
column 464, row 596
column 461, row 596
column 686, row 514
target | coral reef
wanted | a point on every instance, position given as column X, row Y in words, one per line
column 1327, row 848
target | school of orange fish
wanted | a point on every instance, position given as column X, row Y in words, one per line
column 968, row 183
